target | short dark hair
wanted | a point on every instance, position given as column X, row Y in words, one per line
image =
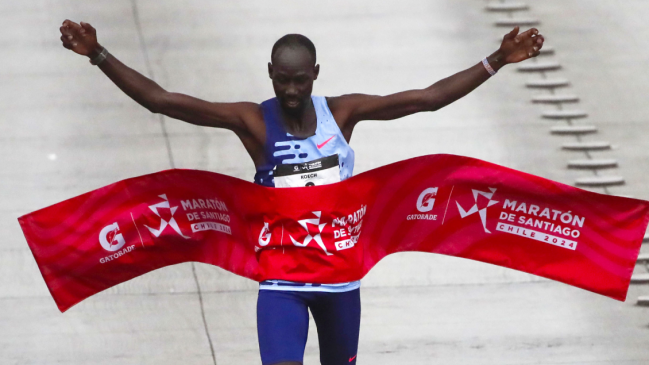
column 294, row 41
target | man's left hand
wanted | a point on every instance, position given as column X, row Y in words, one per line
column 519, row 47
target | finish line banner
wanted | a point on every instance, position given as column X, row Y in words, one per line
column 443, row 204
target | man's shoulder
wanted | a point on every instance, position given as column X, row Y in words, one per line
column 347, row 98
column 345, row 103
column 249, row 112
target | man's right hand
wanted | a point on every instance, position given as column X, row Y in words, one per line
column 80, row 38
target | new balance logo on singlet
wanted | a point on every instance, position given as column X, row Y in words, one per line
column 293, row 150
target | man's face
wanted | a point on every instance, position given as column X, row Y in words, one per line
column 293, row 72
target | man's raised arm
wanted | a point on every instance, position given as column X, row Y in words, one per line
column 352, row 108
column 82, row 39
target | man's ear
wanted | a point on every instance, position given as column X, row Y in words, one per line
column 270, row 70
column 316, row 71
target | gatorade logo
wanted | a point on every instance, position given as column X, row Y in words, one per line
column 264, row 235
column 426, row 200
column 110, row 239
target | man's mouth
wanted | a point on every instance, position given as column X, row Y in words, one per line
column 292, row 103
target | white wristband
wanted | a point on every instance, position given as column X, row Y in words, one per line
column 487, row 66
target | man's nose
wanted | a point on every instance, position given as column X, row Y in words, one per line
column 291, row 91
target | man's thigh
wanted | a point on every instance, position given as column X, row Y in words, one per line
column 282, row 326
column 337, row 317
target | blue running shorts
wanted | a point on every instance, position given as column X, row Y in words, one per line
column 283, row 324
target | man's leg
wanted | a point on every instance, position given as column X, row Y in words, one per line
column 338, row 319
column 282, row 327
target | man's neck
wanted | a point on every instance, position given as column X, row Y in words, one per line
column 302, row 122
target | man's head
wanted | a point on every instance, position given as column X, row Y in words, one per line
column 293, row 69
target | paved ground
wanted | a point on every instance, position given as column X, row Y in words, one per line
column 65, row 129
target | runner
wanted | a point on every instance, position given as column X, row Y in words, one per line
column 281, row 135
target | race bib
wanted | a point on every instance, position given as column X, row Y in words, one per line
column 317, row 172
